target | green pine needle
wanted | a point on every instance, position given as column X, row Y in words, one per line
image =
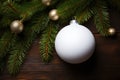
column 15, row 60
column 28, row 9
column 22, row 44
column 84, row 15
column 47, row 43
column 5, row 43
column 101, row 18
column 66, row 9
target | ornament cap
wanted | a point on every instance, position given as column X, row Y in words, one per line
column 73, row 21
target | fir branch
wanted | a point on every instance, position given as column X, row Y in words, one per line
column 15, row 61
column 17, row 53
column 47, row 43
column 22, row 44
column 40, row 22
column 101, row 17
column 84, row 12
column 12, row 7
column 7, row 15
column 68, row 8
column 84, row 16
column 5, row 43
column 28, row 9
column 71, row 7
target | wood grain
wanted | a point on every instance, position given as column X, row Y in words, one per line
column 103, row 65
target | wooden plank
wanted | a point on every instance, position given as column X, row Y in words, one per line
column 103, row 65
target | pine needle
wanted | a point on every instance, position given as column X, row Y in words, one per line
column 47, row 43
column 101, row 18
column 5, row 43
column 85, row 13
column 22, row 44
column 67, row 9
column 15, row 60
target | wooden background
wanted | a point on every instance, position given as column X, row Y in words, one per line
column 103, row 65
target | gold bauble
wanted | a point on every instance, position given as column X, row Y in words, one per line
column 46, row 2
column 53, row 15
column 111, row 31
column 16, row 26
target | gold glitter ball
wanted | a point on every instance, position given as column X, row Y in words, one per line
column 16, row 26
column 46, row 2
column 112, row 31
column 53, row 15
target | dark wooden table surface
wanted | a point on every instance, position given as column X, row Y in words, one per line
column 103, row 65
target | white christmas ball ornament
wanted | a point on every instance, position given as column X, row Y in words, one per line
column 74, row 43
